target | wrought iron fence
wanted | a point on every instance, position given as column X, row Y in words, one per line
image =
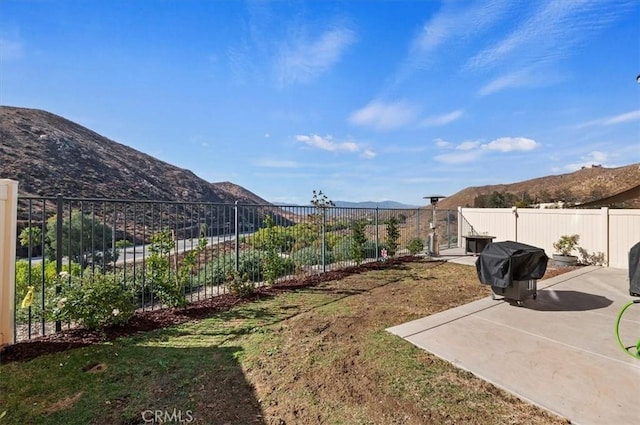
column 139, row 243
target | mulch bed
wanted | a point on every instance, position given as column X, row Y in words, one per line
column 146, row 321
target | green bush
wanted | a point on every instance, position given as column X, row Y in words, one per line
column 415, row 246
column 32, row 275
column 123, row 243
column 310, row 256
column 239, row 284
column 95, row 300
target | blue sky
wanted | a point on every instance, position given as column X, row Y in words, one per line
column 365, row 100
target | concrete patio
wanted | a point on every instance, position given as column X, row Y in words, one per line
column 558, row 352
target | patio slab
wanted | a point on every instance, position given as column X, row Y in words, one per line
column 558, row 352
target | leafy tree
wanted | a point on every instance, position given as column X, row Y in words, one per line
column 358, row 246
column 29, row 236
column 85, row 239
column 393, row 235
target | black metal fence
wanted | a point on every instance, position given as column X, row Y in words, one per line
column 198, row 245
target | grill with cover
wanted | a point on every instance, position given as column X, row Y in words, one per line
column 512, row 269
column 634, row 270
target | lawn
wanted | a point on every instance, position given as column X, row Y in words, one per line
column 316, row 355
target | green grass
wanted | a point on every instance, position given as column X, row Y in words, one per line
column 316, row 354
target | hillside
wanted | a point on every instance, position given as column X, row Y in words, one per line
column 48, row 154
column 581, row 186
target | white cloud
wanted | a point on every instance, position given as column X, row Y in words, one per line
column 442, row 143
column 275, row 163
column 467, row 146
column 472, row 150
column 327, row 143
column 509, row 144
column 458, row 158
column 444, row 119
column 592, row 158
column 267, row 135
column 550, row 33
column 368, row 154
column 618, row 119
column 459, row 22
column 384, row 116
column 514, row 79
column 300, row 60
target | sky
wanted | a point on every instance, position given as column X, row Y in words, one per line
column 366, row 100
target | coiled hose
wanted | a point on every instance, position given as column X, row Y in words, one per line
column 624, row 348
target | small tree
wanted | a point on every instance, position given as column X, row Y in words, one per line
column 84, row 239
column 359, row 240
column 31, row 237
column 393, row 235
column 272, row 263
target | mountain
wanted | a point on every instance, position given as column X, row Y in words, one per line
column 48, row 154
column 372, row 204
column 582, row 186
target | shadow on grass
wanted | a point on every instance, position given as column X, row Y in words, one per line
column 149, row 384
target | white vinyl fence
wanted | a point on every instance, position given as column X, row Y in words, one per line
column 607, row 231
column 8, row 208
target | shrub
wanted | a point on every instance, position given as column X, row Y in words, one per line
column 566, row 244
column 239, row 284
column 415, row 246
column 393, row 235
column 95, row 300
column 123, row 243
column 310, row 256
column 31, row 275
column 358, row 241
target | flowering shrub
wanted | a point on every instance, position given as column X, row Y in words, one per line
column 35, row 275
column 94, row 300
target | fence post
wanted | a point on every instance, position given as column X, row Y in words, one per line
column 460, row 227
column 8, row 230
column 448, row 229
column 377, row 235
column 324, row 239
column 59, row 230
column 237, row 239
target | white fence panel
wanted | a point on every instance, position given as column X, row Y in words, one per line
column 543, row 227
column 611, row 232
column 624, row 232
column 498, row 222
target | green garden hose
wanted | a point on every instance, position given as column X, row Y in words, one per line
column 626, row 349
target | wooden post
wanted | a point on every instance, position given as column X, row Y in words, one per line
column 8, row 224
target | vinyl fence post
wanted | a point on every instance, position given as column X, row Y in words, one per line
column 59, row 214
column 448, row 229
column 237, row 238
column 377, row 235
column 8, row 230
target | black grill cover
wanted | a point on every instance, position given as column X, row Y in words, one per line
column 501, row 263
column 634, row 269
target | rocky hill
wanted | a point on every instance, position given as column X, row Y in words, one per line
column 587, row 184
column 48, row 154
